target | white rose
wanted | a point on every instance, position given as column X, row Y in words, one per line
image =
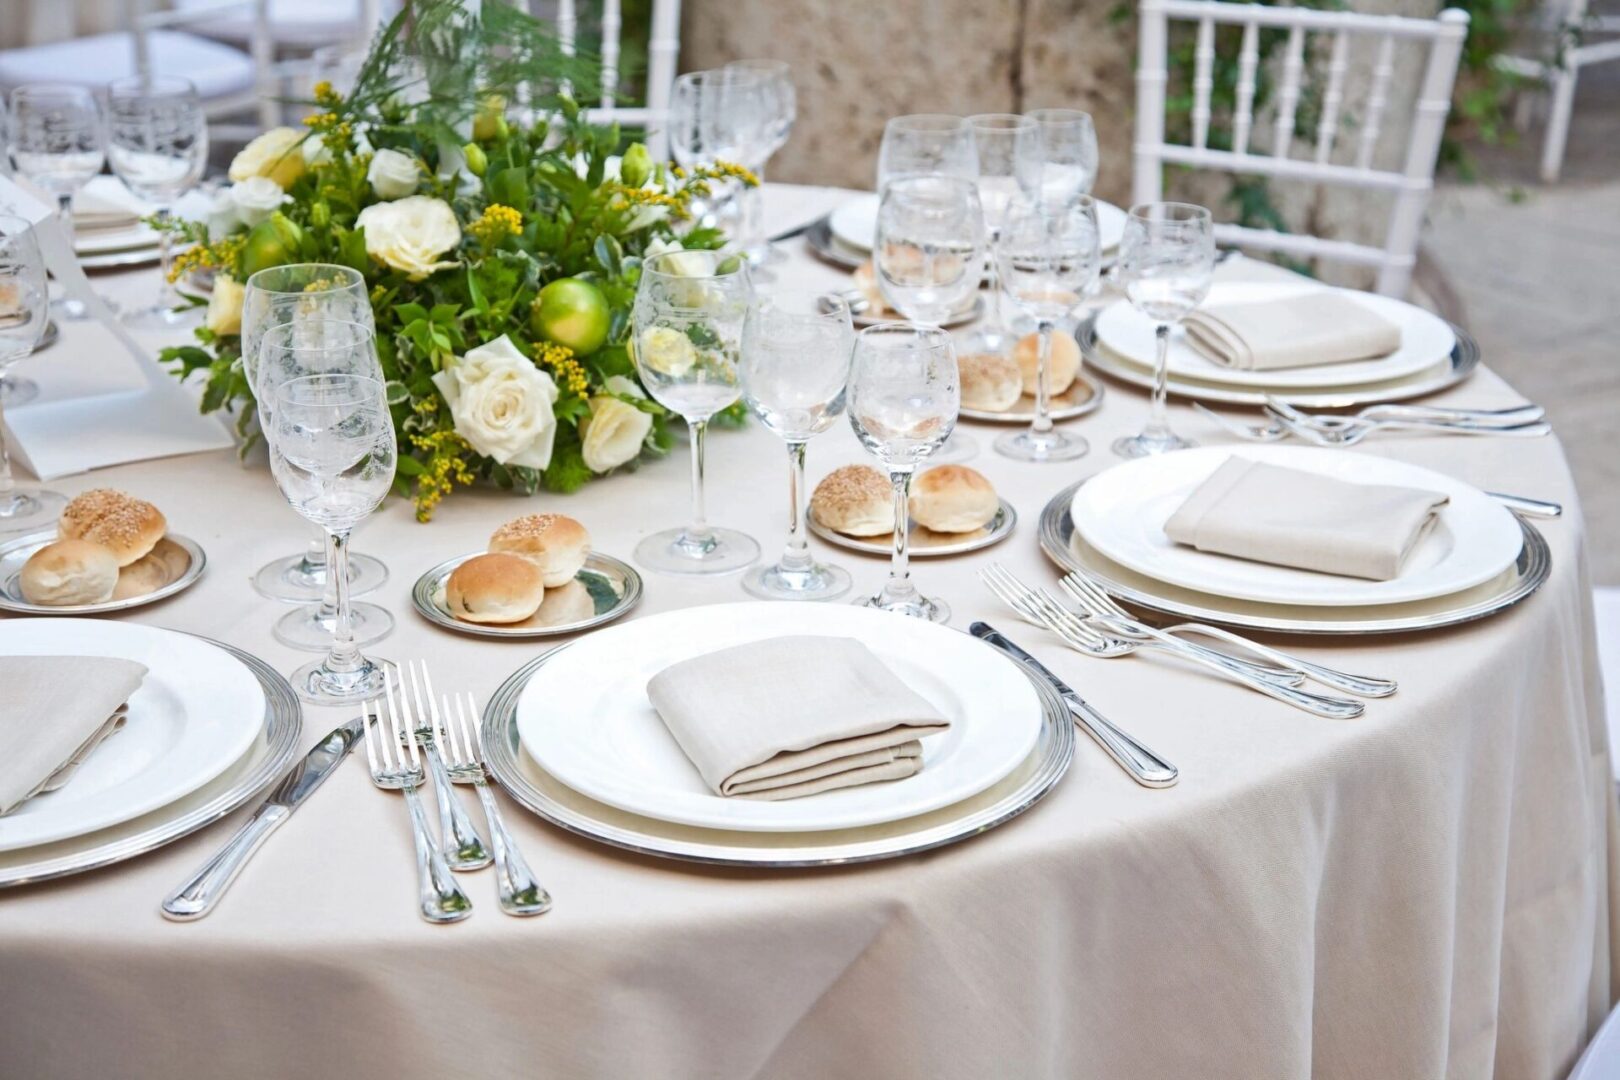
column 501, row 404
column 221, row 217
column 275, row 154
column 411, row 234
column 695, row 264
column 254, row 199
column 225, row 306
column 614, row 431
column 393, row 175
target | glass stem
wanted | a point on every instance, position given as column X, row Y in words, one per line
column 1043, row 384
column 796, row 557
column 8, row 485
column 899, row 589
column 345, row 655
column 1158, row 425
column 992, row 278
column 72, row 306
column 167, row 296
column 698, row 535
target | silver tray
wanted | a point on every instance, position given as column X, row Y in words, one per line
column 925, row 543
column 1060, row 543
column 559, row 804
column 1083, row 396
column 270, row 756
column 15, row 552
column 609, row 586
column 824, row 245
column 1461, row 364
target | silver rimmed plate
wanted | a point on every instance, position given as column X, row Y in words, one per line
column 962, row 316
column 827, row 247
column 183, row 556
column 113, row 260
column 604, row 589
column 566, row 808
column 1083, row 396
column 1064, row 546
column 926, row 542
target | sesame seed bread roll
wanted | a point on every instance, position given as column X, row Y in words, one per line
column 953, row 499
column 990, row 381
column 556, row 544
column 855, row 500
column 69, row 572
column 126, row 526
column 1065, row 362
column 494, row 588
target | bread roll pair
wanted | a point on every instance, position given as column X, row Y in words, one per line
column 105, row 553
column 857, row 500
column 526, row 557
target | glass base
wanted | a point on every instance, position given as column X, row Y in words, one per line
column 672, row 552
column 958, row 448
column 1049, row 446
column 319, row 686
column 71, row 310
column 818, row 582
column 296, row 580
column 917, row 606
column 16, row 391
column 26, row 510
column 1145, row 445
column 307, row 630
column 162, row 317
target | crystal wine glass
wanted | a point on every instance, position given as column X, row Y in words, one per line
column 1008, row 150
column 903, row 399
column 23, row 307
column 686, row 337
column 926, row 144
column 56, row 143
column 157, row 144
column 721, row 115
column 1047, row 258
column 1166, row 261
column 333, row 454
column 1068, row 142
column 796, row 349
column 930, row 247
column 780, row 110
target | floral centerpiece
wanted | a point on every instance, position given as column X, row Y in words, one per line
column 502, row 246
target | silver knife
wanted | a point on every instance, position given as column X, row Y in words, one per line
column 200, row 892
column 1143, row 765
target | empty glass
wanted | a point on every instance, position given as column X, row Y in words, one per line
column 1047, row 258
column 1166, row 261
column 726, row 114
column 926, row 144
column 157, row 144
column 796, row 350
column 23, row 306
column 1068, row 153
column 780, row 110
column 1008, row 150
column 686, row 337
column 54, row 136
column 333, row 454
column 903, row 399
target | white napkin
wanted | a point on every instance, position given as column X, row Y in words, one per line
column 1270, row 514
column 793, row 716
column 1318, row 327
column 53, row 709
column 105, row 203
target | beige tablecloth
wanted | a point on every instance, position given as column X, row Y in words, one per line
column 1427, row 892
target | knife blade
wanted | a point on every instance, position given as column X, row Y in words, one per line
column 199, row 893
column 1142, row 764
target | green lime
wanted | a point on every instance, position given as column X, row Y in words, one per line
column 272, row 242
column 572, row 312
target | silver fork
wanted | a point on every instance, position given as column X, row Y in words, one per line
column 520, row 893
column 1327, row 430
column 1091, row 597
column 440, row 899
column 464, row 849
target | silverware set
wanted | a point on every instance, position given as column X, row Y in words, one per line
column 1331, row 430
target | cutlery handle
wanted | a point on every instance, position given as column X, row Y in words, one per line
column 441, row 899
column 464, row 848
column 1531, row 430
column 197, row 896
column 1524, row 504
column 1525, row 412
column 1287, row 675
column 1321, row 705
column 520, row 893
column 1143, row 765
column 1361, row 685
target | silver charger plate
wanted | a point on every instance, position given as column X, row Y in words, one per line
column 604, row 589
column 1064, row 547
column 963, row 316
column 1083, row 396
column 925, row 543
column 824, row 245
column 270, row 756
column 1458, row 366
column 550, row 799
column 15, row 552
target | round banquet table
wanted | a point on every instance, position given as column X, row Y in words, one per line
column 1428, row 891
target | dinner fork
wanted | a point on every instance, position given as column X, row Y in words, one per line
column 464, row 848
column 1091, row 597
column 1324, row 430
column 440, row 899
column 520, row 893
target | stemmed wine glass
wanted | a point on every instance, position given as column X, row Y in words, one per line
column 157, row 143
column 929, row 251
column 332, row 452
column 1166, row 261
column 1008, row 149
column 1047, row 258
column 926, row 144
column 780, row 110
column 903, row 398
column 796, row 349
column 722, row 115
column 686, row 337
column 1068, row 142
column 56, row 142
column 23, row 307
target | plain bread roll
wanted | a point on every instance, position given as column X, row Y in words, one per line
column 69, row 572
column 1065, row 363
column 992, row 382
column 953, row 499
column 495, row 588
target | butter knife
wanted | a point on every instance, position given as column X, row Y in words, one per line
column 1143, row 765
column 200, row 892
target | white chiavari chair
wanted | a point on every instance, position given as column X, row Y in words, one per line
column 1575, row 39
column 1410, row 184
column 295, row 25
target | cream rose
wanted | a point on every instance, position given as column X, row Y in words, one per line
column 225, row 306
column 393, row 175
column 275, row 154
column 411, row 234
column 501, row 404
column 613, row 432
column 695, row 264
column 254, row 199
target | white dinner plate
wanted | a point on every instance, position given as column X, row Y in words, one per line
column 854, row 223
column 586, row 720
column 197, row 712
column 103, row 241
column 1121, row 513
column 1426, row 340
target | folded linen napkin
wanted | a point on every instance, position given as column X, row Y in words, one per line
column 793, row 716
column 105, row 203
column 53, row 710
column 1271, row 514
column 1305, row 330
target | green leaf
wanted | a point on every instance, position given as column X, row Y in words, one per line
column 409, row 466
column 609, row 255
column 510, row 187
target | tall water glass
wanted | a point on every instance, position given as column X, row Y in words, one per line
column 1047, row 258
column 903, row 398
column 1008, row 150
column 796, row 350
column 780, row 110
column 23, row 307
column 157, row 144
column 1068, row 153
column 56, row 142
column 686, row 340
column 1166, row 262
column 333, row 454
column 721, row 115
column 926, row 144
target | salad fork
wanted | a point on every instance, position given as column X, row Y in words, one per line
column 464, row 848
column 1325, row 430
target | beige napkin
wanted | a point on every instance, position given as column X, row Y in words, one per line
column 1267, row 513
column 1306, row 330
column 52, row 712
column 792, row 716
column 105, row 203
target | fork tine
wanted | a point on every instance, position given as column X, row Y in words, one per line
column 416, row 757
column 477, row 727
column 366, row 708
column 451, row 723
column 408, row 688
column 1091, row 595
column 432, row 714
column 390, row 745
